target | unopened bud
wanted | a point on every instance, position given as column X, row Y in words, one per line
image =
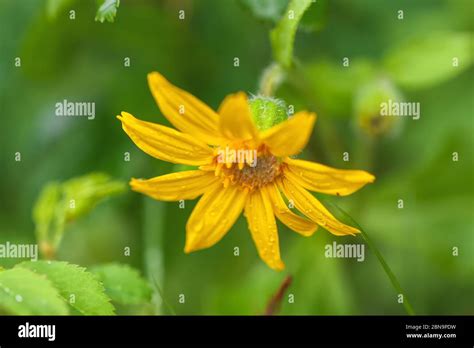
column 267, row 111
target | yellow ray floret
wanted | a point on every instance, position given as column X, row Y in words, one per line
column 313, row 209
column 319, row 178
column 262, row 225
column 291, row 136
column 235, row 118
column 165, row 143
column 175, row 186
column 213, row 216
column 295, row 222
column 184, row 111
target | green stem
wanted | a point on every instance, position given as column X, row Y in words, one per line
column 271, row 79
column 153, row 225
column 385, row 266
column 162, row 295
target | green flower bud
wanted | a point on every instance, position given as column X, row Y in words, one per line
column 367, row 107
column 267, row 111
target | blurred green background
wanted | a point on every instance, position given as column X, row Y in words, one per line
column 83, row 60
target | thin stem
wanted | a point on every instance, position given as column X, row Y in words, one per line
column 271, row 79
column 388, row 271
column 275, row 302
column 162, row 295
column 385, row 266
column 154, row 215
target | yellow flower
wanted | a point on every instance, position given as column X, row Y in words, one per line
column 228, row 187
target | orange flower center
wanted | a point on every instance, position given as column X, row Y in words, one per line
column 251, row 173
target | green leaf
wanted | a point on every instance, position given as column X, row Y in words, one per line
column 283, row 36
column 79, row 288
column 123, row 284
column 107, row 11
column 426, row 61
column 83, row 193
column 45, row 208
column 59, row 203
column 22, row 292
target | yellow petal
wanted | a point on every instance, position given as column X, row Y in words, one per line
column 165, row 143
column 321, row 178
column 213, row 216
column 184, row 111
column 286, row 216
column 262, row 225
column 175, row 186
column 236, row 119
column 312, row 208
column 291, row 136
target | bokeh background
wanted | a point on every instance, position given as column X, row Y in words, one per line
column 83, row 60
